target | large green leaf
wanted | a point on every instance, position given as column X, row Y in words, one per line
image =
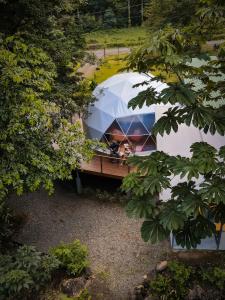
column 213, row 191
column 153, row 231
column 148, row 97
column 204, row 157
column 169, row 121
column 171, row 217
column 141, row 207
column 193, row 231
column 178, row 93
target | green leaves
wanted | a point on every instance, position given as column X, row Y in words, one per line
column 168, row 122
column 171, row 216
column 147, row 97
column 213, row 191
column 178, row 93
column 151, row 176
column 141, row 207
column 186, row 212
column 196, row 95
column 153, row 231
column 193, row 231
column 72, row 257
column 24, row 272
column 37, row 145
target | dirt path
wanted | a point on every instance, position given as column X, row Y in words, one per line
column 115, row 246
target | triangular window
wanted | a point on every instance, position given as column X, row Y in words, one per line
column 114, row 132
column 147, row 120
column 125, row 123
column 137, row 128
column 150, row 144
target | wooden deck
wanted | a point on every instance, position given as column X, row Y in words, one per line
column 106, row 166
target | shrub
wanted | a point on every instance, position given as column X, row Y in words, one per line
column 180, row 274
column 215, row 276
column 15, row 283
column 24, row 272
column 5, row 223
column 161, row 286
column 113, row 197
column 72, row 257
column 173, row 285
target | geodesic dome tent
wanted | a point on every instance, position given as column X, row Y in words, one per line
column 109, row 118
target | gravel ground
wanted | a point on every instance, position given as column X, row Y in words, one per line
column 116, row 249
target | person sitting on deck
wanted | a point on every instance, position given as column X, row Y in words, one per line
column 114, row 148
column 124, row 152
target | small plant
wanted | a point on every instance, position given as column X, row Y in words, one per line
column 161, row 287
column 15, row 283
column 5, row 223
column 115, row 197
column 84, row 295
column 25, row 272
column 215, row 276
column 172, row 285
column 72, row 257
column 180, row 274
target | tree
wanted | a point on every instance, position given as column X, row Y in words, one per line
column 52, row 26
column 109, row 19
column 197, row 96
column 164, row 12
column 36, row 147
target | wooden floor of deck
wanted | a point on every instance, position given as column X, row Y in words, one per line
column 106, row 166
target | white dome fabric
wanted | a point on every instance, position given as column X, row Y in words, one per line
column 113, row 96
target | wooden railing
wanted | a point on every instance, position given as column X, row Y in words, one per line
column 107, row 165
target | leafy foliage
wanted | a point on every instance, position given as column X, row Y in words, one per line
column 215, row 276
column 5, row 223
column 53, row 27
column 24, row 272
column 72, row 257
column 173, row 285
column 197, row 98
column 179, row 279
column 36, row 144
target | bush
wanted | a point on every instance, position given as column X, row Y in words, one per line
column 215, row 276
column 161, row 286
column 24, row 272
column 5, row 223
column 174, row 284
column 72, row 257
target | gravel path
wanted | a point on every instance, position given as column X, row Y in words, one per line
column 115, row 246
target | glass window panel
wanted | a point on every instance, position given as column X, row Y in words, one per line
column 125, row 123
column 150, row 144
column 137, row 142
column 114, row 132
column 137, row 128
column 148, row 120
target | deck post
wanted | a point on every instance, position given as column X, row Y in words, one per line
column 128, row 169
column 101, row 164
column 78, row 183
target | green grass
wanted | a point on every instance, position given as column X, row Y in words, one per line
column 110, row 66
column 125, row 37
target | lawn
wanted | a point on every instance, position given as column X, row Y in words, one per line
column 124, row 37
column 110, row 66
